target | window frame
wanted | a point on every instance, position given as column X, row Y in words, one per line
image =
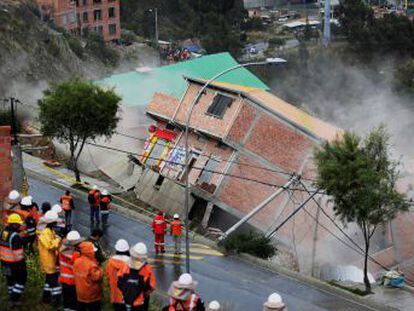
column 221, row 116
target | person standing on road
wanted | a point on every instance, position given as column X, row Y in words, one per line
column 88, row 278
column 175, row 230
column 104, row 204
column 115, row 264
column 274, row 303
column 136, row 280
column 12, row 259
column 66, row 201
column 67, row 256
column 93, row 199
column 159, row 228
column 183, row 296
column 48, row 244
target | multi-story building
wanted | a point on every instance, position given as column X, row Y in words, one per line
column 80, row 16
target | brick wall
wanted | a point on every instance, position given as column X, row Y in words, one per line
column 5, row 162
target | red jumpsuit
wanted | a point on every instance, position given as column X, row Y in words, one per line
column 159, row 227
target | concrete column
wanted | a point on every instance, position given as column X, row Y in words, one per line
column 207, row 214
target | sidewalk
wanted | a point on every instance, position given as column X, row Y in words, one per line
column 400, row 299
column 63, row 175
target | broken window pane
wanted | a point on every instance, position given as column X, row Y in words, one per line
column 219, row 105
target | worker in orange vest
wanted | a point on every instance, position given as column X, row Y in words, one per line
column 159, row 228
column 93, row 199
column 183, row 295
column 115, row 264
column 10, row 205
column 136, row 280
column 175, row 230
column 67, row 256
column 105, row 205
column 67, row 204
column 12, row 259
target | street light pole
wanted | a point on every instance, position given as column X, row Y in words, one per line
column 187, row 153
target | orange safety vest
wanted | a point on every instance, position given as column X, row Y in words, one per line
column 7, row 253
column 66, row 200
column 176, row 227
column 188, row 305
column 115, row 264
column 66, row 262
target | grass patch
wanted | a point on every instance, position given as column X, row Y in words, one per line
column 34, row 286
column 355, row 291
column 252, row 243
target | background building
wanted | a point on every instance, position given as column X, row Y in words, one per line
column 80, row 16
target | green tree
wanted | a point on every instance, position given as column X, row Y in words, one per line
column 361, row 177
column 404, row 76
column 76, row 111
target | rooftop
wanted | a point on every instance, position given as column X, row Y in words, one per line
column 137, row 88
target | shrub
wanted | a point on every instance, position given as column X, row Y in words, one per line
column 97, row 46
column 252, row 243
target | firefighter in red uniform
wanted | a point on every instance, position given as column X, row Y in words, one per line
column 67, row 256
column 159, row 228
column 12, row 259
column 66, row 201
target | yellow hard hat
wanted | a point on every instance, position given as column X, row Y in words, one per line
column 15, row 219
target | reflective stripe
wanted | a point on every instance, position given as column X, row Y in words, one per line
column 192, row 302
column 19, row 286
column 65, row 264
column 104, row 212
column 9, row 255
column 17, row 291
column 159, row 222
column 66, row 275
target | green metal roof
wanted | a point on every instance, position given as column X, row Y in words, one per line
column 137, row 88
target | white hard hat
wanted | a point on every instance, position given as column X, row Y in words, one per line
column 214, row 305
column 95, row 187
column 26, row 201
column 14, row 196
column 274, row 301
column 176, row 216
column 121, row 245
column 73, row 236
column 104, row 192
column 139, row 250
column 57, row 208
column 185, row 279
column 30, row 197
column 51, row 216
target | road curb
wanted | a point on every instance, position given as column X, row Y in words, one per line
column 313, row 282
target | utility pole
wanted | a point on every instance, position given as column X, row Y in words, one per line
column 315, row 240
column 327, row 23
column 13, row 123
column 155, row 10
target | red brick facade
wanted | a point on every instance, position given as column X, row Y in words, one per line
column 5, row 162
column 101, row 16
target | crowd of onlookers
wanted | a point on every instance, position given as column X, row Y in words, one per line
column 73, row 266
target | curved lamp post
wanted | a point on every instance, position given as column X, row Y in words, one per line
column 268, row 61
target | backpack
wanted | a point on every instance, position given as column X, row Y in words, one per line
column 132, row 285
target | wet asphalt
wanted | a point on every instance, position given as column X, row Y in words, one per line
column 232, row 282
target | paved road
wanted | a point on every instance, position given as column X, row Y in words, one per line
column 227, row 279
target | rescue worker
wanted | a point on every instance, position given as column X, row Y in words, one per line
column 66, row 201
column 48, row 245
column 10, row 205
column 88, row 279
column 104, row 204
column 41, row 224
column 60, row 227
column 67, row 256
column 95, row 238
column 175, row 230
column 93, row 199
column 115, row 264
column 29, row 223
column 12, row 259
column 183, row 296
column 136, row 280
column 274, row 303
column 214, row 306
column 159, row 228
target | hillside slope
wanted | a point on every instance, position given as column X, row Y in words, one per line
column 32, row 53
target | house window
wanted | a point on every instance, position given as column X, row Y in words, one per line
column 112, row 29
column 97, row 15
column 111, row 12
column 219, row 105
column 99, row 29
column 159, row 181
column 208, row 170
column 85, row 17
